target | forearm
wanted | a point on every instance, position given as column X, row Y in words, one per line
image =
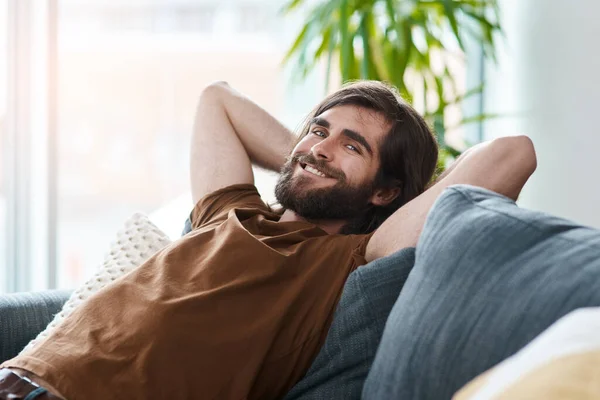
column 503, row 166
column 266, row 140
column 456, row 162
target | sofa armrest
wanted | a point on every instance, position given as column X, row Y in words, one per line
column 24, row 315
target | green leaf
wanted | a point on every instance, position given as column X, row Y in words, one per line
column 397, row 38
column 449, row 7
column 394, row 63
column 290, row 6
column 439, row 85
column 354, row 70
column 391, row 11
column 471, row 92
column 364, row 33
column 425, row 92
column 476, row 118
column 453, row 151
column 379, row 64
column 440, row 130
column 297, row 43
column 482, row 20
column 326, row 38
column 346, row 39
column 330, row 51
column 449, row 78
column 479, row 118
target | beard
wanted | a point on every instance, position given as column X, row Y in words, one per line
column 340, row 201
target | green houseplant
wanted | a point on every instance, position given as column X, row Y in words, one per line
column 408, row 43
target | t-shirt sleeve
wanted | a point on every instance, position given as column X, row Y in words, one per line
column 359, row 248
column 215, row 206
column 343, row 250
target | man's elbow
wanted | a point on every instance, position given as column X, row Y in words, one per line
column 520, row 152
column 214, row 91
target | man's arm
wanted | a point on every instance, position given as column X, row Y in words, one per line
column 455, row 163
column 230, row 133
column 502, row 165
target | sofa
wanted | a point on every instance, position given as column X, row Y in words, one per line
column 486, row 278
column 24, row 315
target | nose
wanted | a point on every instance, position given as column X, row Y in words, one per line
column 323, row 149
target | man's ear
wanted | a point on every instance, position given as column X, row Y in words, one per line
column 383, row 197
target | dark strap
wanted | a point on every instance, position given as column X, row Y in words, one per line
column 36, row 394
column 19, row 388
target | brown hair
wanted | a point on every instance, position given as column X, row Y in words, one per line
column 408, row 153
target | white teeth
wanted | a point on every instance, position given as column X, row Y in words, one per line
column 314, row 171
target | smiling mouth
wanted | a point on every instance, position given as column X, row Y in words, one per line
column 312, row 170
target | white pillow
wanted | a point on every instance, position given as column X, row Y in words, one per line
column 136, row 242
column 561, row 363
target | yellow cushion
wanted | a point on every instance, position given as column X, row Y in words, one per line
column 562, row 363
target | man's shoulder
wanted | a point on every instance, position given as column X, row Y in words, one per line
column 216, row 206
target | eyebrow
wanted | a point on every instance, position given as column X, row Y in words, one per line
column 357, row 137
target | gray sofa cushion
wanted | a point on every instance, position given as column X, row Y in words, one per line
column 488, row 278
column 23, row 316
column 342, row 365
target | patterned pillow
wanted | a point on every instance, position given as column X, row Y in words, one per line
column 137, row 241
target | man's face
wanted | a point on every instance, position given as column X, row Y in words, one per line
column 330, row 173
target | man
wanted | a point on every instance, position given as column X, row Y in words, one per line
column 238, row 308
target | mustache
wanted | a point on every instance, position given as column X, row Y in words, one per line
column 321, row 165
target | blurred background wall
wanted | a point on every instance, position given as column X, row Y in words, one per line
column 547, row 82
column 122, row 79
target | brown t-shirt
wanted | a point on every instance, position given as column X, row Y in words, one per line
column 236, row 309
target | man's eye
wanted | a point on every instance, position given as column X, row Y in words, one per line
column 319, row 133
column 353, row 148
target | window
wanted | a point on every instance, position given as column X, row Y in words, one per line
column 144, row 17
column 106, row 95
column 3, row 142
column 126, row 106
column 254, row 18
column 110, row 102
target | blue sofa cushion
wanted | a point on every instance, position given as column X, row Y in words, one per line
column 488, row 278
column 24, row 315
